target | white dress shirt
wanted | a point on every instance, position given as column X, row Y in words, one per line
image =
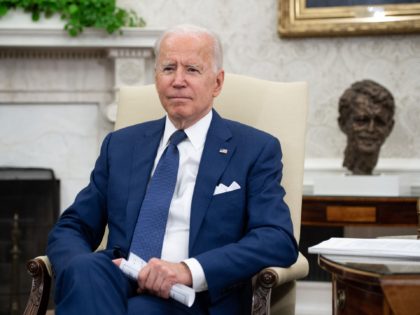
column 176, row 239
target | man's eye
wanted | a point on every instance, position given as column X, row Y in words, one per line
column 168, row 69
column 361, row 119
column 192, row 70
column 380, row 122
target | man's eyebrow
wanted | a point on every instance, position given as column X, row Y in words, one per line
column 194, row 65
column 166, row 63
column 191, row 64
column 170, row 63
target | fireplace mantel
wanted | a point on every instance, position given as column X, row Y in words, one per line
column 126, row 59
column 18, row 30
column 54, row 36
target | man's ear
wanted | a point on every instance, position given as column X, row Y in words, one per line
column 220, row 78
column 390, row 127
column 342, row 124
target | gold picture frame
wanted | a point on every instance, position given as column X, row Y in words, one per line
column 296, row 19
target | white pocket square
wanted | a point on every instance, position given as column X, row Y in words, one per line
column 221, row 188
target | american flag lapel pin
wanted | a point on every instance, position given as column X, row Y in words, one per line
column 223, row 151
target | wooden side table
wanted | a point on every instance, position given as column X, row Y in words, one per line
column 327, row 216
column 354, row 210
column 373, row 288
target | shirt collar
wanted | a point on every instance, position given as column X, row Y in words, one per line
column 196, row 133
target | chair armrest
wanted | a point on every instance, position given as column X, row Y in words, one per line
column 271, row 277
column 298, row 270
column 40, row 270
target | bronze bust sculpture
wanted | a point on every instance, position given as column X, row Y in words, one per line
column 366, row 116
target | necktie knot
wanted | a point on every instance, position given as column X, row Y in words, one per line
column 177, row 137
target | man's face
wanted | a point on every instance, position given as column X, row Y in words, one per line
column 185, row 77
column 369, row 125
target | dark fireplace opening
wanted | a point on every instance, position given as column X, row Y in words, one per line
column 29, row 206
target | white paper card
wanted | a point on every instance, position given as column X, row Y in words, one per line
column 376, row 247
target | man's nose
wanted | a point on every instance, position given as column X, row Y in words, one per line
column 179, row 78
column 371, row 125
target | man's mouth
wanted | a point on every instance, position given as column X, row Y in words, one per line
column 179, row 97
column 369, row 141
column 368, row 138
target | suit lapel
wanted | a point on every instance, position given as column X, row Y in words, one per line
column 216, row 156
column 144, row 153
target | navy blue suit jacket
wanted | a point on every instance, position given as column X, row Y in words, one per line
column 233, row 235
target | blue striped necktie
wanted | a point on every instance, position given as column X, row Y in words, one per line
column 151, row 223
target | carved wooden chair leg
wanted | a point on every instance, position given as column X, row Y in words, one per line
column 263, row 286
column 40, row 290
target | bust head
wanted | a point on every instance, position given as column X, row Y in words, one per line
column 366, row 116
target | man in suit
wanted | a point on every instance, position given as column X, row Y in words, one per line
column 227, row 218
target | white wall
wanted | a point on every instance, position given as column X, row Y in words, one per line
column 248, row 30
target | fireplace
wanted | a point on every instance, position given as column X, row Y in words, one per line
column 29, row 206
column 57, row 102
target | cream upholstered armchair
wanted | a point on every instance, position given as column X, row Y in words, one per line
column 278, row 108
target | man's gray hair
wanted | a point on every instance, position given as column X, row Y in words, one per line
column 195, row 30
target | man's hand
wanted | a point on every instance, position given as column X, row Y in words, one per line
column 158, row 276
